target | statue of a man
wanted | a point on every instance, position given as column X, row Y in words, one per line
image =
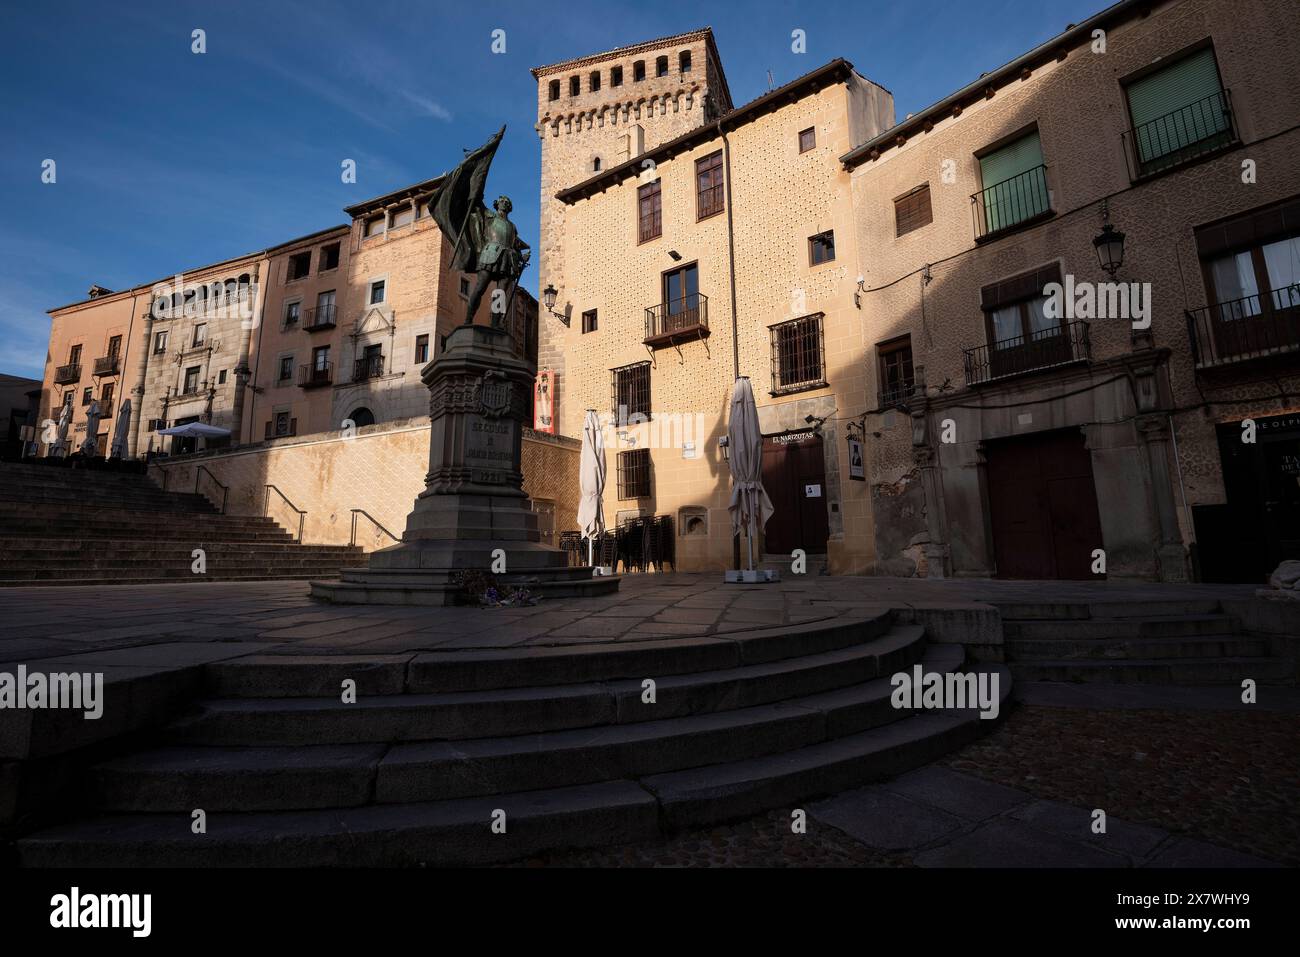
column 485, row 242
column 501, row 260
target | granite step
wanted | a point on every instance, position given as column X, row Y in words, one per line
column 1168, row 671
column 522, row 710
column 1102, row 628
column 1201, row 646
column 283, row 778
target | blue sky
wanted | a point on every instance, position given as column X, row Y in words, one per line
column 168, row 160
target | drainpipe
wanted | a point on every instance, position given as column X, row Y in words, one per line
column 241, row 368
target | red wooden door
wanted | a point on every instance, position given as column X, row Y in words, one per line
column 794, row 475
column 1043, row 506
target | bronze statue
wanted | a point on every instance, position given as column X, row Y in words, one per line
column 485, row 242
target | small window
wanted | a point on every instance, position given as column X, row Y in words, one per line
column 86, row 394
column 74, row 355
column 807, row 139
column 649, row 212
column 299, row 266
column 630, row 386
column 616, row 76
column 284, row 424
column 200, row 334
column 291, row 314
column 554, row 90
column 464, row 287
column 821, row 248
column 595, row 164
column 1179, row 111
column 589, row 321
column 221, row 377
column 106, row 394
column 708, row 185
column 638, row 71
column 575, row 86
column 684, row 61
column 634, row 474
column 374, row 226
column 286, row 368
column 160, row 342
column 403, row 216
column 376, row 292
column 115, row 346
column 329, row 257
column 912, row 211
column 896, row 375
column 593, row 81
column 798, row 355
column 191, row 380
column 661, row 66
column 422, row 349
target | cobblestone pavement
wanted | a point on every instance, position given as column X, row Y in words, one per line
column 1228, row 777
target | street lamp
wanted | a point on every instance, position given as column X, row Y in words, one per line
column 1110, row 249
column 548, row 300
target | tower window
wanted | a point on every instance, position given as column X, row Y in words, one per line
column 575, row 86
column 555, row 90
column 638, row 71
column 593, row 81
column 661, row 66
column 616, row 76
column 684, row 61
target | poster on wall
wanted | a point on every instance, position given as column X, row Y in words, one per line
column 544, row 402
column 856, row 469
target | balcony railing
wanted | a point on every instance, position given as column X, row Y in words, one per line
column 676, row 321
column 1249, row 328
column 1021, row 199
column 1181, row 136
column 319, row 318
column 316, row 375
column 107, row 365
column 650, row 226
column 367, row 367
column 69, row 373
column 1045, row 349
column 895, row 393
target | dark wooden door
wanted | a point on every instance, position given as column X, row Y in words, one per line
column 794, row 475
column 1043, row 506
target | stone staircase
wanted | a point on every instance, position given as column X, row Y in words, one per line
column 558, row 738
column 65, row 526
column 1156, row 642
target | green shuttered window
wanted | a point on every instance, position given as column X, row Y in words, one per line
column 1015, row 185
column 1179, row 109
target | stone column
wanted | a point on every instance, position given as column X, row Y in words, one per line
column 137, row 394
column 926, row 458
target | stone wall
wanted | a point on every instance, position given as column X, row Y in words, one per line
column 379, row 469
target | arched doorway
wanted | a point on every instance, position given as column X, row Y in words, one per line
column 362, row 417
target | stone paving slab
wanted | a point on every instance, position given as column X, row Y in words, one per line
column 944, row 818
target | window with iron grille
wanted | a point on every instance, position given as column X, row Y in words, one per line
column 798, row 357
column 807, row 139
column 649, row 212
column 634, row 474
column 896, row 376
column 821, row 248
column 630, row 387
column 912, row 211
column 708, row 185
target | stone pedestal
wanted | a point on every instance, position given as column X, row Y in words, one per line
column 473, row 513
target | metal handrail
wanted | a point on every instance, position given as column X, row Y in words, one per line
column 1245, row 328
column 1180, row 136
column 1005, row 205
column 225, row 489
column 362, row 511
column 266, row 507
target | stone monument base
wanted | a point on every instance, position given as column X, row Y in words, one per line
column 473, row 515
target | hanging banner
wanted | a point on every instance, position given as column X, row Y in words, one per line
column 544, row 402
column 856, row 469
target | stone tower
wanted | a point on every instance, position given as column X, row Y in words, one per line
column 595, row 112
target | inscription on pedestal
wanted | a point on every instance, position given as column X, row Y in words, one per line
column 489, row 447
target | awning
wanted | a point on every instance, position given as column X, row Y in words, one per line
column 196, row 430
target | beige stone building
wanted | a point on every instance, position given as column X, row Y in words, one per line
column 300, row 338
column 927, row 410
column 1005, row 437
